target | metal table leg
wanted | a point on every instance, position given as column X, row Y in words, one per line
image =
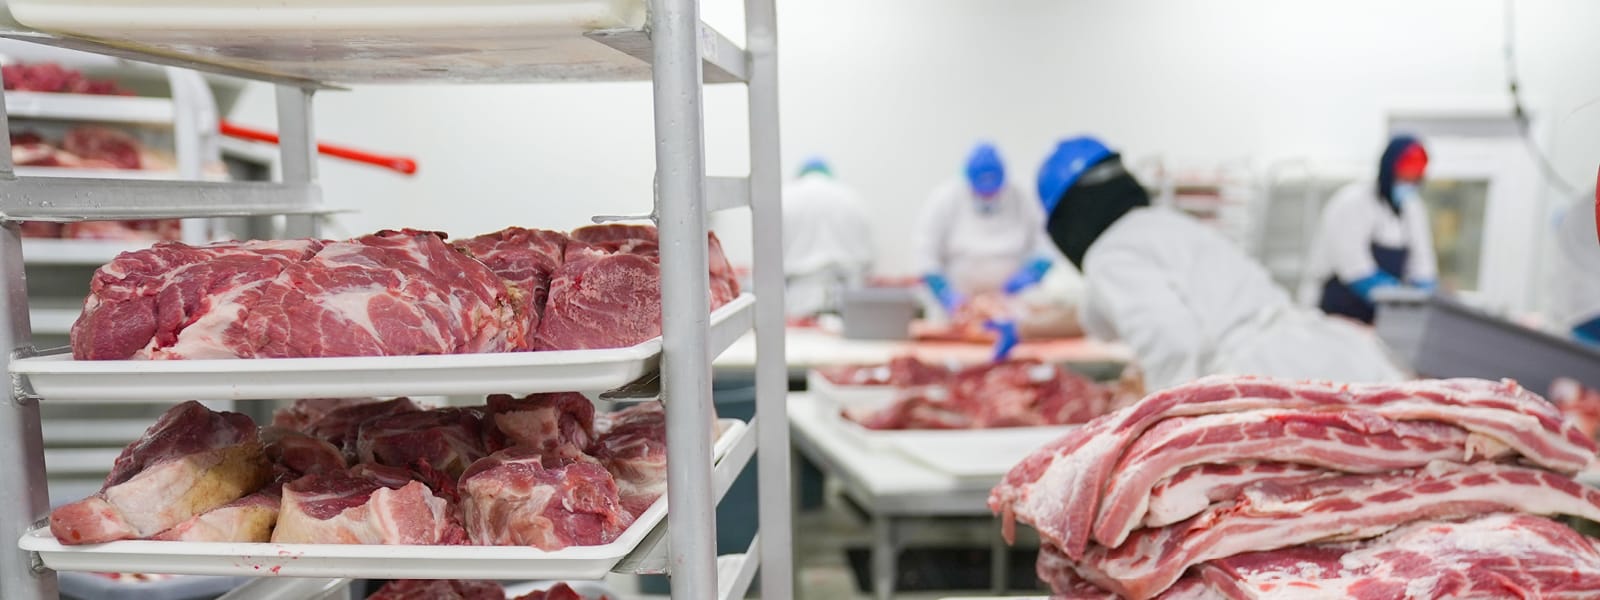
column 885, row 552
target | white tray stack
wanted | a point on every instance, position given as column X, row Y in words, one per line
column 358, row 42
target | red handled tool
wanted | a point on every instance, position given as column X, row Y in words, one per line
column 397, row 163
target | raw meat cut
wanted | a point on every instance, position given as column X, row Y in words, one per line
column 439, row 589
column 52, row 77
column 1579, row 403
column 516, row 497
column 526, row 259
column 902, row 371
column 559, row 591
column 543, row 421
column 1026, row 393
column 1059, row 487
column 305, row 412
column 342, row 425
column 392, row 293
column 918, row 409
column 634, row 450
column 248, row 519
column 146, row 230
column 175, row 299
column 347, row 508
column 190, row 461
column 1494, row 556
column 1268, row 515
column 448, row 439
column 295, row 454
column 1191, row 490
column 607, row 293
column 92, row 142
column 1354, row 441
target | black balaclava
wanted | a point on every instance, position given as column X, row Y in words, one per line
column 1088, row 208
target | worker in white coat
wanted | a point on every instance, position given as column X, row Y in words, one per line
column 1372, row 237
column 1577, row 298
column 827, row 239
column 979, row 234
column 1185, row 299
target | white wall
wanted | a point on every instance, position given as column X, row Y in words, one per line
column 895, row 91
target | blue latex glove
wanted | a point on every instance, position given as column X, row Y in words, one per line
column 1426, row 285
column 1031, row 273
column 1008, row 337
column 1588, row 332
column 1364, row 286
column 948, row 297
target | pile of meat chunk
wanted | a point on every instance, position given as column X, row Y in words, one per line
column 391, row 293
column 540, row 471
column 1015, row 393
column 457, row 589
column 1258, row 488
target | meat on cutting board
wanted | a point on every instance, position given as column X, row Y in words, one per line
column 525, row 259
column 607, row 293
column 448, row 439
column 1495, row 556
column 634, row 450
column 248, row 519
column 178, row 300
column 543, row 421
column 1059, row 488
column 1269, row 516
column 439, row 589
column 516, row 497
column 391, row 293
column 190, row 461
column 358, row 507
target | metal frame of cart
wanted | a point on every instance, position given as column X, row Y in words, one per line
column 675, row 44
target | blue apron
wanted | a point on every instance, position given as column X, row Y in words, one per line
column 1340, row 299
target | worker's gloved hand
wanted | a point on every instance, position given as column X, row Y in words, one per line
column 1588, row 332
column 1426, row 285
column 948, row 297
column 1007, row 329
column 1031, row 273
column 1366, row 285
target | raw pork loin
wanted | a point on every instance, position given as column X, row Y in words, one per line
column 389, row 293
column 448, row 439
column 607, row 293
column 439, row 589
column 634, row 450
column 190, row 461
column 248, row 519
column 517, row 497
column 368, row 505
column 526, row 259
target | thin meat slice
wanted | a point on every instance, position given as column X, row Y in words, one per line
column 517, row 497
column 1268, row 516
column 342, row 425
column 1058, row 488
column 248, row 519
column 173, row 300
column 526, row 259
column 358, row 507
column 294, row 454
column 447, row 439
column 634, row 451
column 391, row 293
column 1494, row 556
column 543, row 421
column 439, row 589
column 1191, row 490
column 190, row 461
column 1354, row 441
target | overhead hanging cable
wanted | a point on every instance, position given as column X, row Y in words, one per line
column 1519, row 115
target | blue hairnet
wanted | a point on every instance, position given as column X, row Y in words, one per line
column 985, row 172
column 815, row 164
column 1065, row 165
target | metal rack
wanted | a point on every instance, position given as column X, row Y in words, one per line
column 677, row 52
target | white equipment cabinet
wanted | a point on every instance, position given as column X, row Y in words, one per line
column 669, row 45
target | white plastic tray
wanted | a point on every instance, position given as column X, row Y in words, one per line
column 60, row 378
column 360, row 561
column 361, row 41
column 839, row 397
column 961, row 453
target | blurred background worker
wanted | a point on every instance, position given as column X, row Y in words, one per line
column 979, row 235
column 1373, row 237
column 1577, row 279
column 827, row 240
column 1185, row 299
